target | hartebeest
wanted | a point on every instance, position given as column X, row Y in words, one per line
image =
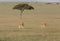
column 21, row 25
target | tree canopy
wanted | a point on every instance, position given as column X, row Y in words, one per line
column 23, row 7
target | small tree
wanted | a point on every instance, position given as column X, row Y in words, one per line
column 48, row 3
column 23, row 7
column 57, row 3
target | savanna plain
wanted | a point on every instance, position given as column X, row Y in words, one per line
column 9, row 22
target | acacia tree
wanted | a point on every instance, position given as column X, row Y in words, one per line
column 57, row 3
column 22, row 7
column 48, row 3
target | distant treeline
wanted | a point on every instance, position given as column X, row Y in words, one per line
column 52, row 3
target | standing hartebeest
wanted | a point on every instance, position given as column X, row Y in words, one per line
column 43, row 26
column 21, row 25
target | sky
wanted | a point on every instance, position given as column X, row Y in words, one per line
column 29, row 0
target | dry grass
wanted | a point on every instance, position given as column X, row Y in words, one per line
column 9, row 22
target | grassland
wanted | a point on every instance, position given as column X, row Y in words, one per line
column 9, row 21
